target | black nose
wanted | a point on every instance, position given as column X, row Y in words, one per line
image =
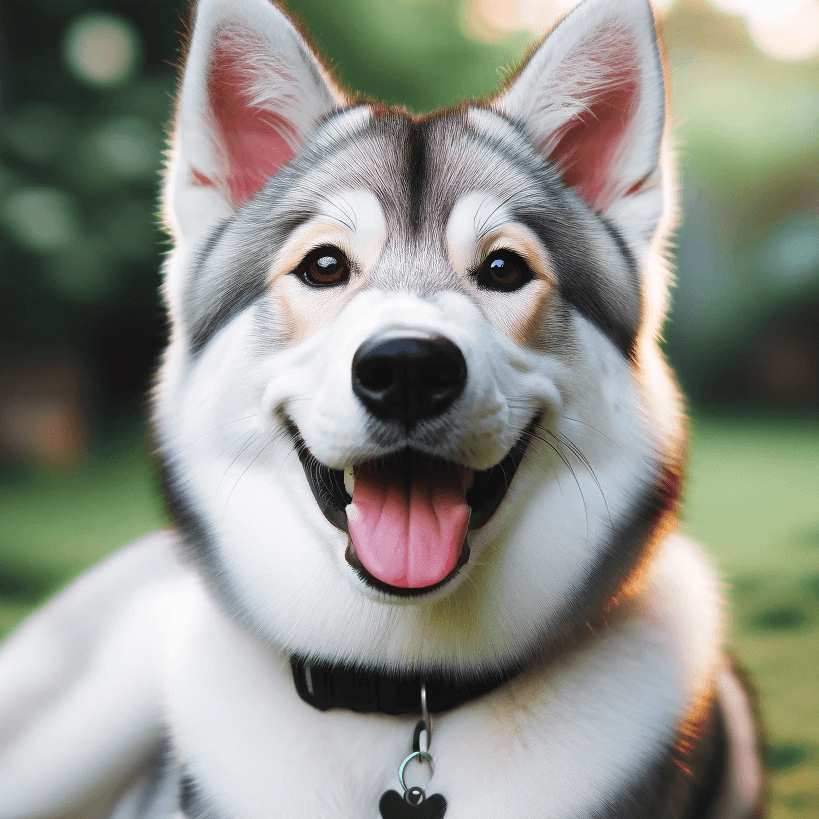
column 408, row 379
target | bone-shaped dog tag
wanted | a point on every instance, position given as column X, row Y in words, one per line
column 415, row 804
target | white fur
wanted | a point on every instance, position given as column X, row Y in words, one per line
column 475, row 216
column 80, row 688
column 586, row 724
column 547, row 744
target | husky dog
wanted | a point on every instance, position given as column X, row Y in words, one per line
column 423, row 454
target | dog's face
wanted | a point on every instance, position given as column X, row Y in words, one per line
column 413, row 413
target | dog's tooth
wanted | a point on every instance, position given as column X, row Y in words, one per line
column 349, row 481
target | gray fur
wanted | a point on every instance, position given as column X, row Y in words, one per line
column 418, row 168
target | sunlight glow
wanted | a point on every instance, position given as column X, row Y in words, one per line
column 793, row 35
column 101, row 49
column 783, row 29
column 494, row 20
column 757, row 8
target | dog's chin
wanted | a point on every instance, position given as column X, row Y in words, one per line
column 407, row 594
column 482, row 491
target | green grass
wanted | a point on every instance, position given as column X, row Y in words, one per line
column 56, row 525
column 752, row 499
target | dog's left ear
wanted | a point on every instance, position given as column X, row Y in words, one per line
column 592, row 99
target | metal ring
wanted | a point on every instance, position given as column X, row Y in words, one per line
column 425, row 713
column 421, row 756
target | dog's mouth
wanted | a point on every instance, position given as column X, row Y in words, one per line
column 407, row 515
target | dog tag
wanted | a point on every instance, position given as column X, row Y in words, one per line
column 415, row 804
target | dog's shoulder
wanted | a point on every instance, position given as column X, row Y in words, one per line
column 80, row 682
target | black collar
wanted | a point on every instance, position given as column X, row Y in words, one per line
column 327, row 685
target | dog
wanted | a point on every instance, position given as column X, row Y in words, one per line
column 423, row 455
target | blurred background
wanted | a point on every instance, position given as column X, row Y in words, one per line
column 85, row 92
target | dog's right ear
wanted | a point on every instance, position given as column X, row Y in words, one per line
column 251, row 92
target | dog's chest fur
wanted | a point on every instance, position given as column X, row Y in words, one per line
column 583, row 735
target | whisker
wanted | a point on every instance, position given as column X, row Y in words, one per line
column 530, row 455
column 582, row 458
column 594, row 429
column 263, row 448
column 198, row 438
column 236, row 457
column 190, row 478
column 485, row 222
column 568, row 466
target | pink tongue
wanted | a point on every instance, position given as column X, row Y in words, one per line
column 409, row 534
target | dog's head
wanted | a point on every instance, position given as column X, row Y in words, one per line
column 413, row 411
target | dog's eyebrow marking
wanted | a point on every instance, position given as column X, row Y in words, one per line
column 338, row 209
column 475, row 216
column 351, row 218
column 357, row 211
column 345, row 207
column 369, row 226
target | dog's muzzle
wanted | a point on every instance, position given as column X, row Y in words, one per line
column 408, row 514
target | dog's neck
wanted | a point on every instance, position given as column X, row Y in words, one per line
column 334, row 685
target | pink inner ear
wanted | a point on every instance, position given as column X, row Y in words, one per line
column 253, row 140
column 586, row 147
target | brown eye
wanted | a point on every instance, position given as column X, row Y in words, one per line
column 324, row 267
column 503, row 271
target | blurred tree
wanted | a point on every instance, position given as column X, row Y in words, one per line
column 85, row 95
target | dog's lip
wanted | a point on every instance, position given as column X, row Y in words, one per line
column 484, row 496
